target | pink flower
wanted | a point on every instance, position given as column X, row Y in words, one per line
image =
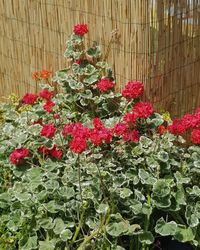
column 46, row 94
column 131, row 136
column 119, row 129
column 195, row 136
column 133, row 90
column 18, row 155
column 48, row 106
column 48, row 131
column 80, row 29
column 78, row 145
column 143, row 109
column 105, row 85
column 29, row 98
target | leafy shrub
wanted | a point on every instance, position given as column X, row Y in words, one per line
column 88, row 168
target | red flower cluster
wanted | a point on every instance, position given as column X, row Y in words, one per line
column 48, row 131
column 143, row 109
column 130, row 119
column 133, row 90
column 46, row 94
column 18, row 155
column 54, row 152
column 29, row 98
column 120, row 129
column 80, row 135
column 48, row 106
column 131, row 136
column 195, row 136
column 105, row 85
column 80, row 29
column 187, row 122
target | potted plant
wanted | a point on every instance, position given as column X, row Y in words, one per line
column 88, row 168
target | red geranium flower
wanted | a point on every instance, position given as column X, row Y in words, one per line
column 48, row 106
column 195, row 136
column 177, row 127
column 56, row 153
column 143, row 109
column 29, row 98
column 43, row 150
column 56, row 116
column 48, row 131
column 80, row 29
column 46, row 94
column 119, row 129
column 78, row 145
column 130, row 119
column 105, row 84
column 97, row 123
column 133, row 90
column 131, row 136
column 18, row 155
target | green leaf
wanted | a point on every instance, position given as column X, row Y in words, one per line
column 191, row 216
column 94, row 52
column 146, row 237
column 30, row 244
column 66, row 192
column 125, row 193
column 52, row 207
column 23, row 196
column 102, row 208
column 34, row 129
column 116, row 229
column 46, row 223
column 165, row 228
column 136, row 206
column 66, row 235
column 59, row 226
column 145, row 142
column 91, row 79
column 146, row 178
column 161, row 188
column 184, row 234
column 46, row 245
column 163, row 156
column 75, row 85
column 180, row 179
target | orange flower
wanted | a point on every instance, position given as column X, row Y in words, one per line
column 45, row 74
column 35, row 75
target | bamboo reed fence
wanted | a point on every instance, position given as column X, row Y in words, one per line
column 157, row 42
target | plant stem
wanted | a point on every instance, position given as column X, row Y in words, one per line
column 79, row 225
column 103, row 223
column 79, row 181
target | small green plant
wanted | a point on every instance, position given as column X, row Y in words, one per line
column 88, row 168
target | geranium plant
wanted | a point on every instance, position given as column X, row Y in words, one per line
column 89, row 168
